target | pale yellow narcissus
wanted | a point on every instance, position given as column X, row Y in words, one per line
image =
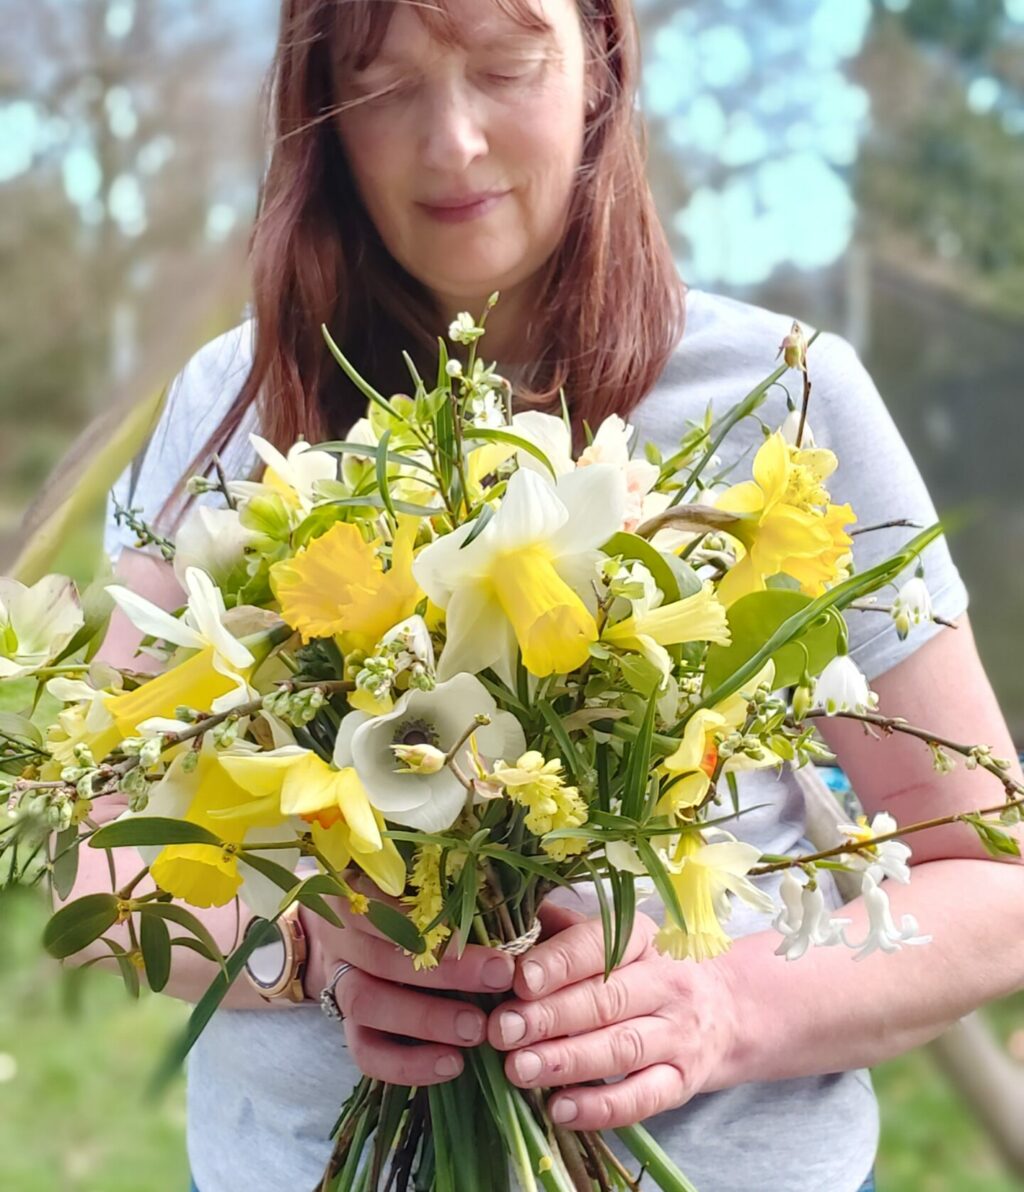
column 694, row 762
column 703, row 875
column 785, row 522
column 337, row 586
column 526, row 580
column 345, row 827
column 697, row 618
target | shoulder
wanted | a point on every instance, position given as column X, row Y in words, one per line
column 203, row 391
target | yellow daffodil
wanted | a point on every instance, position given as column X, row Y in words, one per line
column 345, row 827
column 293, row 477
column 337, row 586
column 526, row 579
column 697, row 618
column 203, row 874
column 785, row 522
column 692, row 765
column 702, row 876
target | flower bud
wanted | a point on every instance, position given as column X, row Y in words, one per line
column 420, row 759
column 794, row 348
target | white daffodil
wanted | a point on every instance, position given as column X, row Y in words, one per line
column 293, row 477
column 912, row 606
column 213, row 540
column 888, row 859
column 883, row 934
column 805, row 920
column 611, row 446
column 201, row 626
column 36, row 623
column 526, row 579
column 425, row 798
column 842, row 687
column 551, row 435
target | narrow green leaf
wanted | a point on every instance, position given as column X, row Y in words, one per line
column 261, row 934
column 662, row 883
column 172, row 913
column 483, row 517
column 624, row 896
column 151, row 830
column 155, row 942
column 344, row 447
column 638, row 764
column 65, row 863
column 570, row 756
column 376, row 501
column 129, row 973
column 492, row 434
column 382, row 473
column 364, row 387
column 607, row 934
column 396, row 926
column 78, row 923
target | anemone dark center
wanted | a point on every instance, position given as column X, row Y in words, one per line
column 416, row 732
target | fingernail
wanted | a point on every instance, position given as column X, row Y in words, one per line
column 528, row 1065
column 564, row 1110
column 468, row 1026
column 447, row 1065
column 496, row 973
column 533, row 976
column 512, row 1027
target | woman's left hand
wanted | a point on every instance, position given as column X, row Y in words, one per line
column 662, row 1024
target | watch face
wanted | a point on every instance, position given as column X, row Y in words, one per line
column 266, row 963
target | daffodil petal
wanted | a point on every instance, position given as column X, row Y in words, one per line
column 595, row 500
column 152, row 620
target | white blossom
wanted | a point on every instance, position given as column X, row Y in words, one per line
column 805, row 920
column 883, row 934
column 842, row 687
column 912, row 606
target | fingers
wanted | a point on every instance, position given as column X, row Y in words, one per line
column 383, row 1057
column 370, row 1002
column 640, row 1096
column 555, row 918
column 628, row 993
column 477, row 970
column 573, row 955
column 609, row 1052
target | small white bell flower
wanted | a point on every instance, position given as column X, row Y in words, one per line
column 805, row 920
column 842, row 687
column 883, row 934
column 912, row 606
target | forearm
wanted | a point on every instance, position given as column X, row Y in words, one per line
column 828, row 1012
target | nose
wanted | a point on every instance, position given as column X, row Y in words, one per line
column 453, row 132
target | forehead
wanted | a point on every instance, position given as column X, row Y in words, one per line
column 396, row 30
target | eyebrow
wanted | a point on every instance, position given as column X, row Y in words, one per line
column 497, row 42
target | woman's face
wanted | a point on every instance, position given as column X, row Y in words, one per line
column 505, row 116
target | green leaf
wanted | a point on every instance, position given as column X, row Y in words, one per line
column 638, row 764
column 155, row 942
column 493, row 434
column 376, row 501
column 173, row 913
column 607, row 935
column 659, row 875
column 364, row 387
column 20, row 729
column 752, row 621
column 382, row 473
column 151, row 830
column 343, row 447
column 483, row 517
column 65, row 864
column 631, row 546
column 261, row 934
column 997, row 842
column 129, row 973
column 624, row 900
column 569, row 752
column 396, row 926
column 77, row 924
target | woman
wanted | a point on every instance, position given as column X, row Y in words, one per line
column 390, row 119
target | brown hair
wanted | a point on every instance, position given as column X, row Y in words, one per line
column 614, row 303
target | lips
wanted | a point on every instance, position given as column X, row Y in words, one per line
column 458, row 202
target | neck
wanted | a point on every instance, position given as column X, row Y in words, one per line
column 511, row 335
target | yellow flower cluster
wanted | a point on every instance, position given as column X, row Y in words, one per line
column 425, row 905
column 539, row 786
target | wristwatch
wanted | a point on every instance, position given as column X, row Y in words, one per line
column 275, row 968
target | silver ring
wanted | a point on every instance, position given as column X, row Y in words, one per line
column 328, row 998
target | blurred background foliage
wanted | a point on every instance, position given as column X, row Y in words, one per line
column 855, row 163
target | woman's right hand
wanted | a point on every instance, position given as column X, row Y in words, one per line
column 382, row 996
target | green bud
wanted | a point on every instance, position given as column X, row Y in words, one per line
column 267, row 514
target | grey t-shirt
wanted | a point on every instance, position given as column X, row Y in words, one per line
column 264, row 1088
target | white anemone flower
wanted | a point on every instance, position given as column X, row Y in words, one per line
column 213, row 540
column 428, row 799
column 805, row 920
column 883, row 934
column 36, row 623
column 201, row 626
column 842, row 687
column 526, row 579
column 912, row 606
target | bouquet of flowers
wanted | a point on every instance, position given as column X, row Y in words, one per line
column 456, row 663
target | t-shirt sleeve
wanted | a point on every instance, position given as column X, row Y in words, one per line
column 197, row 399
column 878, row 476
